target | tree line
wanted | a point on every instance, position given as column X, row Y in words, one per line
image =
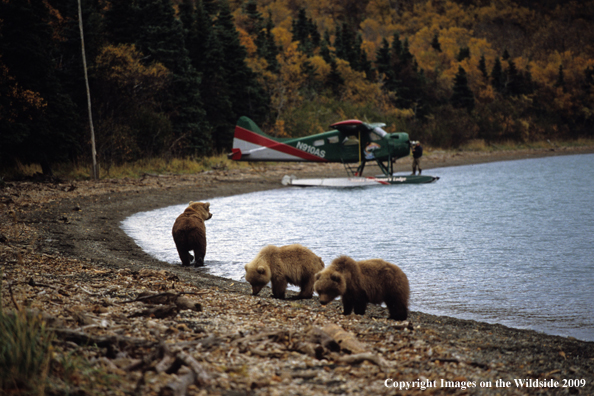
column 171, row 78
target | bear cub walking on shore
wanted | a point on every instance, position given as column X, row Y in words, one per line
column 361, row 282
column 189, row 232
column 294, row 264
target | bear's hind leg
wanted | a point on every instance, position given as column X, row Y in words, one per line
column 185, row 257
column 199, row 254
column 306, row 289
column 199, row 261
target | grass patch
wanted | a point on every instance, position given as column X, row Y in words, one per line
column 25, row 352
column 136, row 169
column 480, row 145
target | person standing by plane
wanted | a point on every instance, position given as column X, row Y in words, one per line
column 417, row 153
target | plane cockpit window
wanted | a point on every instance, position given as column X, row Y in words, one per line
column 319, row 142
column 374, row 137
column 333, row 139
column 379, row 132
column 350, row 140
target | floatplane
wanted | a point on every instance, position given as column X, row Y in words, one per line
column 349, row 142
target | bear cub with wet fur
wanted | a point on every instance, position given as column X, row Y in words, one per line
column 294, row 264
column 189, row 232
column 361, row 282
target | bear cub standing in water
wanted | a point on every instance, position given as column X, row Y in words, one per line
column 189, row 232
column 294, row 264
column 361, row 282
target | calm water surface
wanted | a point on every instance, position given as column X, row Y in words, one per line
column 508, row 242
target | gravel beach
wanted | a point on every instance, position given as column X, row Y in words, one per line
column 160, row 329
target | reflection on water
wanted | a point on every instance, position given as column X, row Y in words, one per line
column 509, row 242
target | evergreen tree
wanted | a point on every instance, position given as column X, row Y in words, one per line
column 383, row 58
column 396, row 47
column 463, row 54
column 305, row 31
column 560, row 78
column 300, row 30
column 68, row 49
column 121, row 22
column 270, row 50
column 311, row 85
column 162, row 39
column 462, row 96
column 435, row 43
column 383, row 65
column 364, row 64
column 44, row 134
column 255, row 25
column 406, row 58
column 482, row 66
column 325, row 52
column 498, row 77
column 505, row 55
column 211, row 7
column 515, row 83
column 334, row 80
column 207, row 58
column 264, row 40
column 588, row 82
column 249, row 97
column 527, row 86
column 406, row 83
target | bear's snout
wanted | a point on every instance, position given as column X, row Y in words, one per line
column 325, row 299
column 256, row 289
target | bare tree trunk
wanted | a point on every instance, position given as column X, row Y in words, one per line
column 82, row 42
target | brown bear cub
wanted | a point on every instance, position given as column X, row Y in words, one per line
column 294, row 264
column 361, row 282
column 189, row 232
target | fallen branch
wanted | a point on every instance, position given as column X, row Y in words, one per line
column 80, row 338
column 158, row 312
column 35, row 284
column 318, row 336
column 202, row 377
column 346, row 340
column 262, row 353
column 259, row 336
column 179, row 386
column 160, row 298
column 360, row 357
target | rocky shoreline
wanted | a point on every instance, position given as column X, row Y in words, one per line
column 64, row 253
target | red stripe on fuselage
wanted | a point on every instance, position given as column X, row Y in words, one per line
column 254, row 138
column 375, row 179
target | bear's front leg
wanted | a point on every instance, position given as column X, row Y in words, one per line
column 360, row 308
column 279, row 288
column 347, row 305
column 398, row 310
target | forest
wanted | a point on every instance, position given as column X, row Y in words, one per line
column 170, row 78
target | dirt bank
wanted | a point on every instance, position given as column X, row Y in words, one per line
column 74, row 227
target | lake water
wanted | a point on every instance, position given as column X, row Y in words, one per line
column 508, row 242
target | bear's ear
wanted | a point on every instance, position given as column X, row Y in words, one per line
column 335, row 278
column 191, row 202
column 261, row 270
column 207, row 205
column 318, row 276
column 245, row 267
